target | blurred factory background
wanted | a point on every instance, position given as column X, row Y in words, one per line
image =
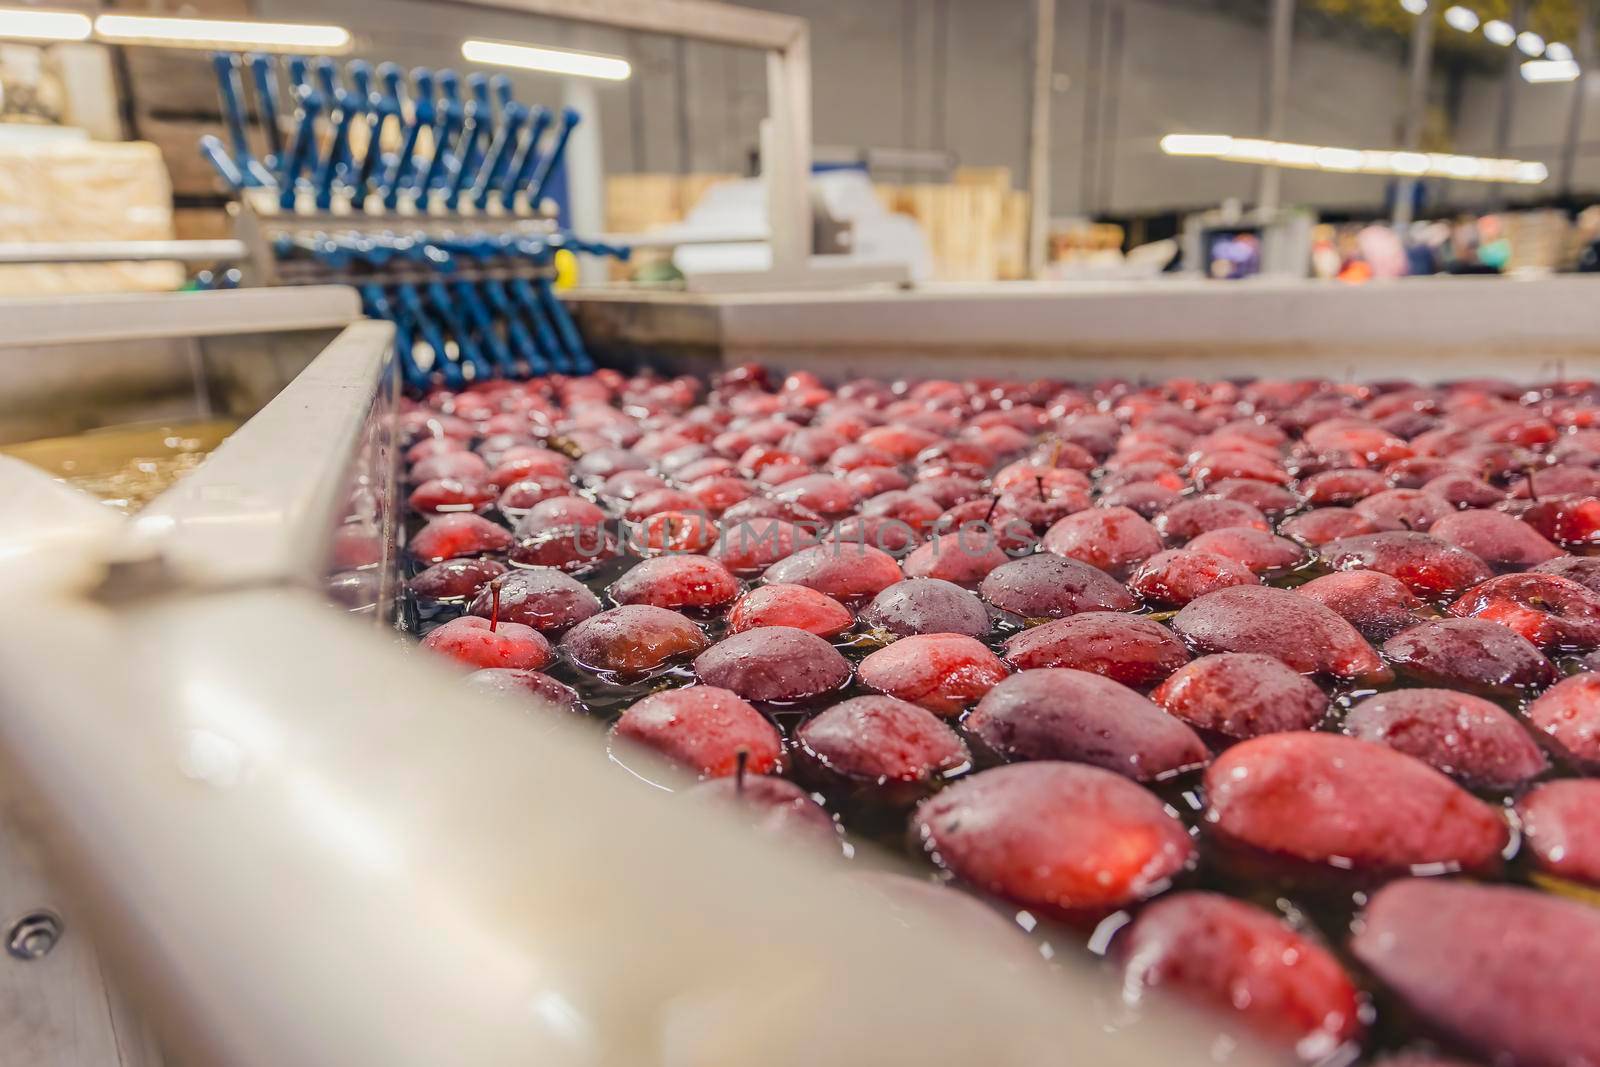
column 954, row 76
column 934, row 102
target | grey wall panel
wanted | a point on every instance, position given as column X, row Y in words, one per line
column 954, row 74
column 1538, row 129
column 1184, row 71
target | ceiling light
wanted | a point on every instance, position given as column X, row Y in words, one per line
column 1409, row 163
column 1337, row 159
column 1196, row 144
column 1466, row 168
column 1499, row 32
column 1416, row 7
column 1461, row 18
column 221, row 33
column 26, row 24
column 548, row 60
column 1530, row 43
column 1353, row 160
column 1549, row 70
column 1251, row 150
column 1294, row 155
column 1558, row 51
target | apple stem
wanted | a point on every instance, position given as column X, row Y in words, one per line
column 742, row 760
column 1533, row 493
column 994, row 503
column 494, row 605
column 1038, row 484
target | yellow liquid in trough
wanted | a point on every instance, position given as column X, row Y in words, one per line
column 126, row 466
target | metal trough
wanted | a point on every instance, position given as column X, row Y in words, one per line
column 296, row 842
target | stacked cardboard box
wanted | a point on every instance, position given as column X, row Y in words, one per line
column 85, row 191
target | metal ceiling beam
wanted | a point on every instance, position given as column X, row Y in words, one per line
column 1580, row 89
column 1495, row 199
column 702, row 20
column 1044, row 51
column 786, row 136
column 1416, row 110
column 1280, row 35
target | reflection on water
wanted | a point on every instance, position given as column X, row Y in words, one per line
column 126, row 466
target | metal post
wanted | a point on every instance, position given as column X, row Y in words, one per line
column 636, row 117
column 1094, row 69
column 1495, row 199
column 585, row 172
column 786, row 134
column 1280, row 36
column 1111, row 98
column 1580, row 89
column 680, row 100
column 786, row 161
column 1416, row 110
column 909, row 97
column 1044, row 49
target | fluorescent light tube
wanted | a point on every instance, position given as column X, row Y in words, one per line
column 28, row 24
column 547, row 60
column 1499, row 32
column 1356, row 160
column 1549, row 70
column 221, row 33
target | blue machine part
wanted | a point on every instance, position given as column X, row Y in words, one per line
column 468, row 303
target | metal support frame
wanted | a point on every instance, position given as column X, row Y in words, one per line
column 1416, row 109
column 701, row 20
column 1093, row 78
column 1044, row 47
column 125, row 317
column 786, row 162
column 1495, row 197
column 585, row 173
column 1280, row 37
column 786, row 140
column 1448, row 328
column 1110, row 103
column 121, row 251
column 1580, row 89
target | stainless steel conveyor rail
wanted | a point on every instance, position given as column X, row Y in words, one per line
column 24, row 252
column 1428, row 328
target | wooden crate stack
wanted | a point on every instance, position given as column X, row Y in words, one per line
column 637, row 203
column 1540, row 240
column 977, row 225
column 85, row 191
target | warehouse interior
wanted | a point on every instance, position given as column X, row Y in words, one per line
column 934, row 76
column 910, row 92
